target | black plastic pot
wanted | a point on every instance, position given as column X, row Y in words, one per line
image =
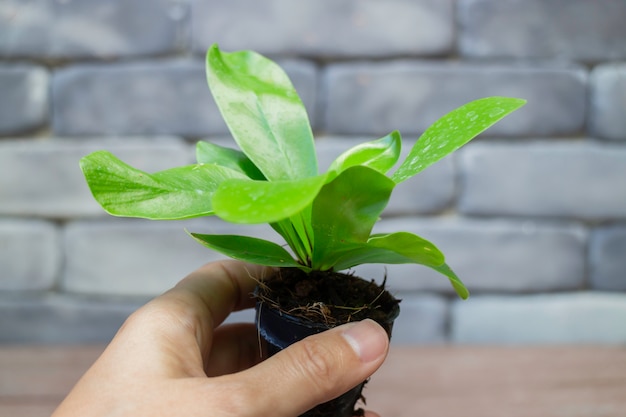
column 280, row 330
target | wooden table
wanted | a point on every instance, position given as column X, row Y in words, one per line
column 415, row 381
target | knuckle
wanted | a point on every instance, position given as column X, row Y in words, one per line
column 178, row 316
column 318, row 361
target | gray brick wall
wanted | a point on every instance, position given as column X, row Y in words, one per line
column 24, row 104
column 91, row 28
column 569, row 29
column 608, row 98
column 410, row 95
column 323, row 29
column 148, row 97
column 532, row 216
column 544, row 179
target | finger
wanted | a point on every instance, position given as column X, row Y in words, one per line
column 315, row 370
column 219, row 288
column 235, row 347
column 174, row 330
column 208, row 295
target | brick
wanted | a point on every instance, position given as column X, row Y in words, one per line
column 606, row 258
column 24, row 98
column 423, row 320
column 91, row 28
column 134, row 98
column 491, row 255
column 608, row 100
column 42, row 178
column 135, row 257
column 587, row 317
column 574, row 180
column 65, row 320
column 30, row 256
column 162, row 97
column 54, row 319
column 431, row 191
column 570, row 29
column 410, row 95
column 341, row 28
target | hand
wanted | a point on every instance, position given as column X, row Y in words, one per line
column 171, row 359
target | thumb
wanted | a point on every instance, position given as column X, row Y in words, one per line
column 318, row 368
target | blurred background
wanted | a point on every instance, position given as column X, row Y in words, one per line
column 532, row 215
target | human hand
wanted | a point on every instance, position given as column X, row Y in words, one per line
column 170, row 358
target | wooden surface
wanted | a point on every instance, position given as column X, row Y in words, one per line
column 422, row 381
column 502, row 382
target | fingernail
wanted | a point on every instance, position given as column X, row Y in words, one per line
column 368, row 340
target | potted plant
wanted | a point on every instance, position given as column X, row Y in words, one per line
column 326, row 219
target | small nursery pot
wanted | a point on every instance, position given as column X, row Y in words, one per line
column 279, row 330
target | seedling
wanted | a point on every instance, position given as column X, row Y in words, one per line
column 326, row 219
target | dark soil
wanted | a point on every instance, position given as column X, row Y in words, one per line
column 328, row 297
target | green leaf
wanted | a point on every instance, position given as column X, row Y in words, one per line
column 413, row 247
column 263, row 112
column 380, row 154
column 298, row 233
column 210, row 153
column 454, row 130
column 393, row 248
column 246, row 201
column 248, row 249
column 346, row 209
column 456, row 282
column 399, row 248
column 295, row 232
column 176, row 193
